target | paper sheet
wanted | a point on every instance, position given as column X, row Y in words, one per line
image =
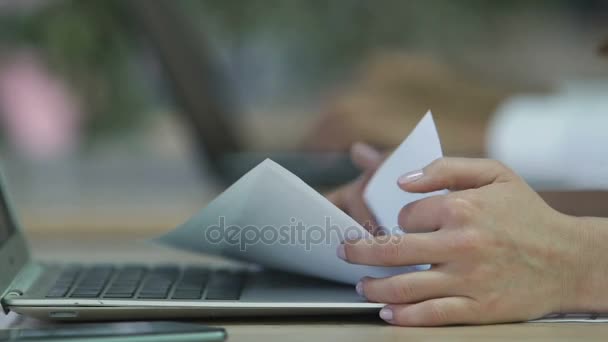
column 382, row 195
column 272, row 218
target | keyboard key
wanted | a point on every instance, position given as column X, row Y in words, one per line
column 93, row 282
column 158, row 283
column 192, row 283
column 64, row 282
column 226, row 293
column 85, row 293
column 187, row 294
column 225, row 286
column 153, row 295
column 126, row 282
column 57, row 292
column 122, row 288
column 118, row 295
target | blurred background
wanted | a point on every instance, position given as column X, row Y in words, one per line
column 121, row 115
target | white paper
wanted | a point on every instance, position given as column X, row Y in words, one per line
column 382, row 194
column 270, row 195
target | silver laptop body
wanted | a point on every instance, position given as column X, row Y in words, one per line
column 112, row 292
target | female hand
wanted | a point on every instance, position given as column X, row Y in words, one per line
column 349, row 197
column 498, row 252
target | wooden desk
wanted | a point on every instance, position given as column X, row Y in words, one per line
column 92, row 248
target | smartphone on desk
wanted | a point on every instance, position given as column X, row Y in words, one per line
column 113, row 332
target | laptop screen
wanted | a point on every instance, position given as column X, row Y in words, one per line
column 6, row 225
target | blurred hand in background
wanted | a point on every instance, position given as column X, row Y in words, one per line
column 349, row 197
column 391, row 92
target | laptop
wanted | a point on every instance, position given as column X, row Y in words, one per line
column 75, row 291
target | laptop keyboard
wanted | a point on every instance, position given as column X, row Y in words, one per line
column 140, row 282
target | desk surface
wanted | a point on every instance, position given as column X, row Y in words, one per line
column 96, row 248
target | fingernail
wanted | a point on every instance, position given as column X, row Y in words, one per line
column 410, row 177
column 341, row 252
column 386, row 314
column 365, row 153
column 359, row 289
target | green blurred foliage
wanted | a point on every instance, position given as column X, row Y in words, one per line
column 90, row 43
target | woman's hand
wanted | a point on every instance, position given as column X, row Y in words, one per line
column 349, row 197
column 498, row 252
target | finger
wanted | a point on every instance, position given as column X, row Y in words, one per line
column 422, row 216
column 359, row 211
column 337, row 196
column 348, row 198
column 365, row 157
column 434, row 312
column 395, row 250
column 344, row 196
column 407, row 288
column 357, row 208
column 455, row 174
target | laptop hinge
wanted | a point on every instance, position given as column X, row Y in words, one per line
column 22, row 282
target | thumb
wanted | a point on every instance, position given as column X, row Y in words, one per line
column 365, row 157
column 456, row 174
